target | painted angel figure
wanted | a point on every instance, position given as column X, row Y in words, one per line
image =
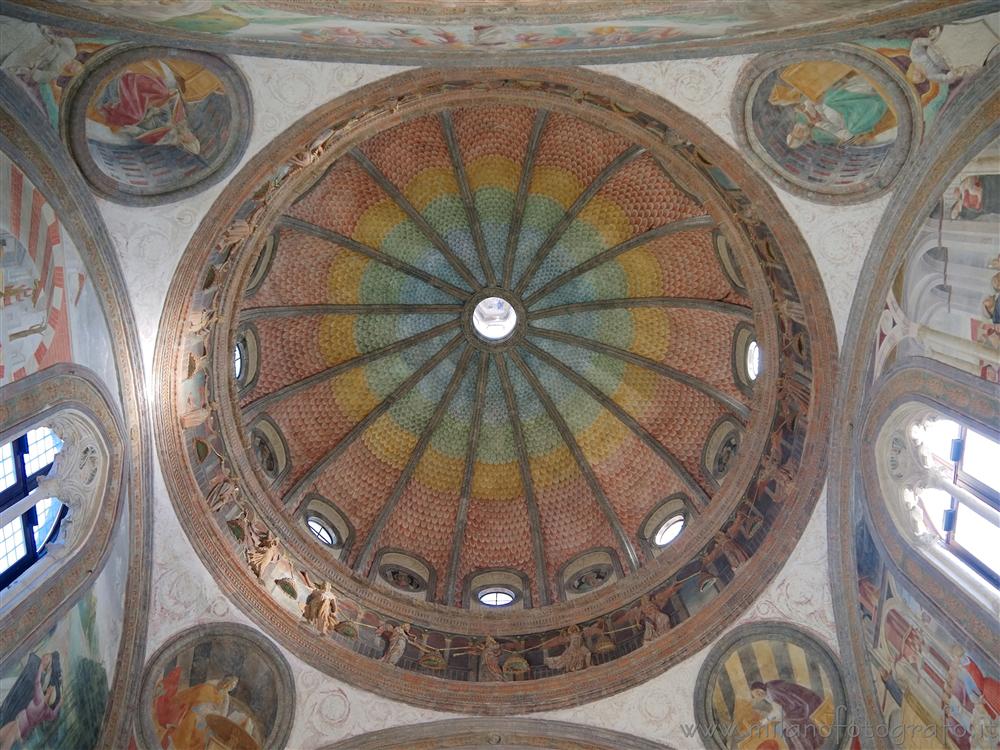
column 34, row 699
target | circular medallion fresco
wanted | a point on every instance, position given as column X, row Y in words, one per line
column 494, row 317
column 831, row 124
column 219, row 685
column 770, row 686
column 152, row 125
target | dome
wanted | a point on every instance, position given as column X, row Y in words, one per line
column 496, row 337
column 489, row 363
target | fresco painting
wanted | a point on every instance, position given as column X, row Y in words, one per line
column 37, row 291
column 45, row 60
column 156, row 124
column 823, row 123
column 932, row 691
column 441, row 26
column 215, row 692
column 768, row 691
column 938, row 61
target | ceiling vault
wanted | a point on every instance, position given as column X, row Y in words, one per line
column 581, row 461
column 355, row 432
column 465, row 494
column 346, row 242
column 475, row 227
column 527, row 484
column 265, row 402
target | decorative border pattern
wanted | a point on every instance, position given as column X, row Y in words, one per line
column 545, row 50
column 84, row 87
column 282, row 728
column 882, row 73
column 974, row 116
column 26, row 135
column 514, row 733
column 798, row 382
column 777, row 631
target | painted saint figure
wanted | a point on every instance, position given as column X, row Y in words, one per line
column 34, row 699
column 791, row 707
column 186, row 711
column 833, row 105
column 147, row 104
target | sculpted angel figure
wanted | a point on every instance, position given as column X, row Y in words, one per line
column 321, row 608
column 399, row 637
column 575, row 657
column 224, row 491
column 266, row 553
column 489, row 661
column 655, row 622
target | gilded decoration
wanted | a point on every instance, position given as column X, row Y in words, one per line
column 435, row 230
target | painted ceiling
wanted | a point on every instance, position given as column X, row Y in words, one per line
column 489, row 31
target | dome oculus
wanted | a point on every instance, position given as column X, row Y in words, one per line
column 494, row 318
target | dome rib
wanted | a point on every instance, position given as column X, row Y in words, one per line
column 684, row 303
column 265, row 402
column 475, row 226
column 527, row 169
column 297, row 492
column 572, row 212
column 416, row 217
column 527, row 483
column 673, row 227
column 256, row 313
column 364, row 556
column 465, row 493
column 585, row 468
column 340, row 240
column 625, row 418
column 637, row 359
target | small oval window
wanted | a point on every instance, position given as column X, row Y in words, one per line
column 322, row 531
column 753, row 360
column 238, row 361
column 496, row 596
column 669, row 530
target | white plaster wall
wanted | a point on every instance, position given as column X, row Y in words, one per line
column 150, row 242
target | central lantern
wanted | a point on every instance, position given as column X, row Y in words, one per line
column 493, row 418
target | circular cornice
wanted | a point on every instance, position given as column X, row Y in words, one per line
column 199, row 312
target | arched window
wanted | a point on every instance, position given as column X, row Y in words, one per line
column 940, row 478
column 27, row 523
column 961, row 498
